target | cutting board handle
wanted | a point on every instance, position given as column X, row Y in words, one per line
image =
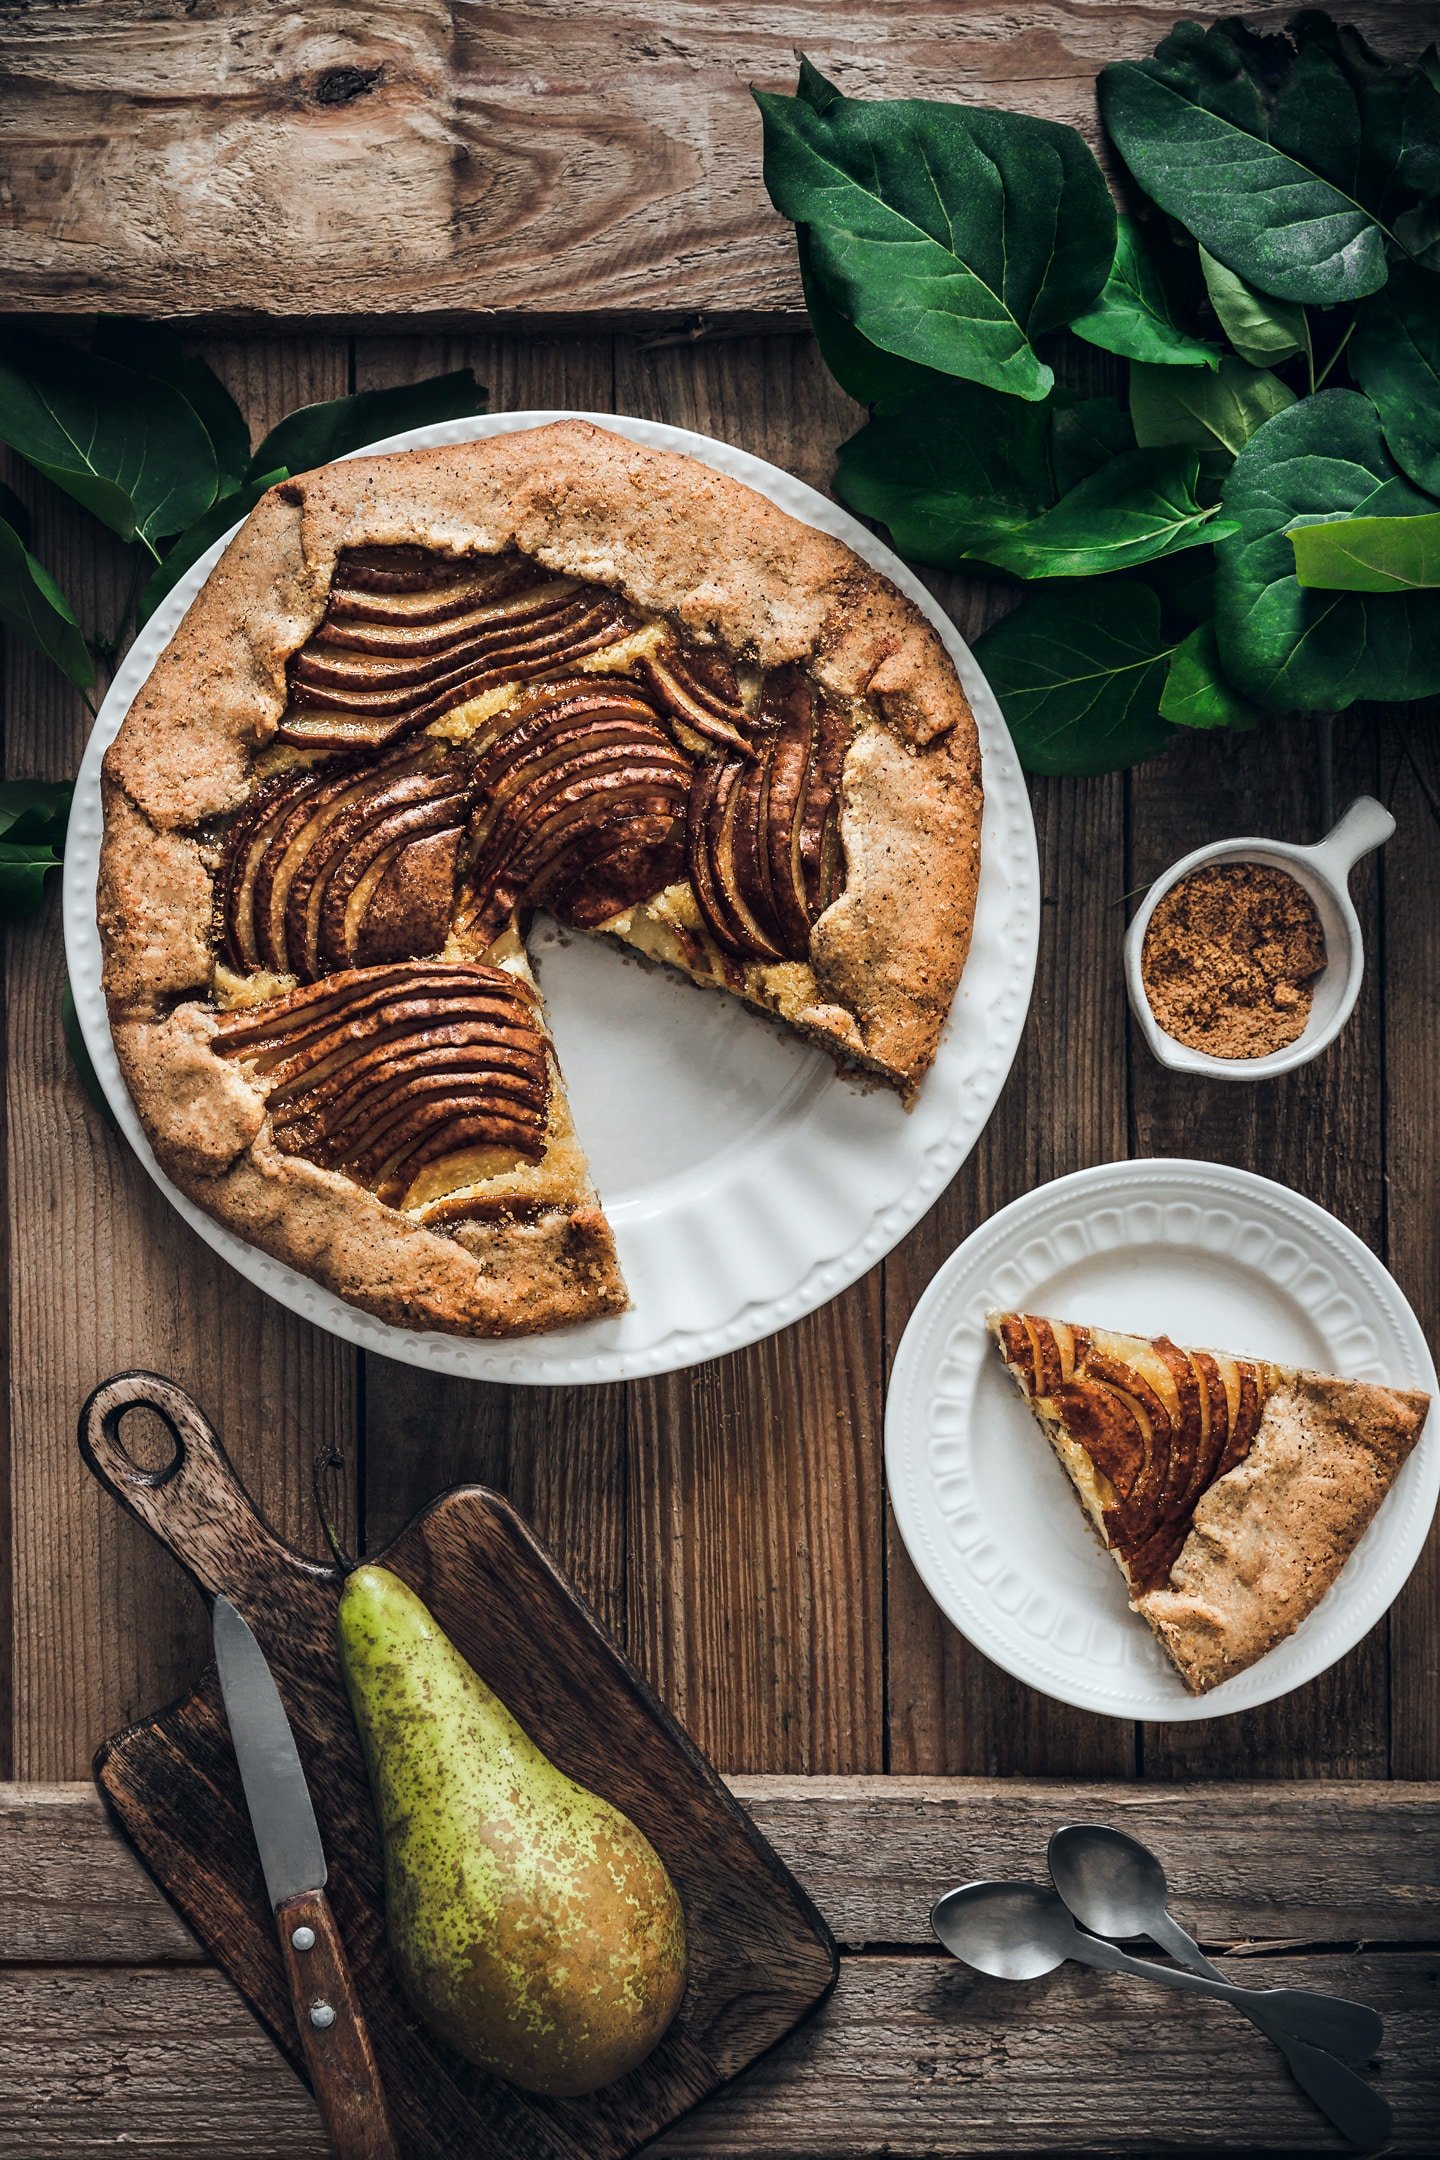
column 194, row 1503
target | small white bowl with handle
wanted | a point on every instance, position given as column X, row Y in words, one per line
column 1324, row 871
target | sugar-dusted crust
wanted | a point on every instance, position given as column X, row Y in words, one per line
column 1271, row 1536
column 678, row 539
column 510, row 1277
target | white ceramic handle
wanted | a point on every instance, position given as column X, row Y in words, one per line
column 1366, row 824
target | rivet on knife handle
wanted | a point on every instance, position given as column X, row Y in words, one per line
column 332, row 2030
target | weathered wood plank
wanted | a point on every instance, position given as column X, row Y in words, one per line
column 951, row 1710
column 558, row 1453
column 1407, row 962
column 1318, row 1129
column 1332, row 1863
column 1063, row 1108
column 756, row 1568
column 918, row 2057
column 911, row 2056
column 455, row 158
column 103, row 1275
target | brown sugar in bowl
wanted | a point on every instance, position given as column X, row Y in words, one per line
column 1323, row 872
column 1230, row 959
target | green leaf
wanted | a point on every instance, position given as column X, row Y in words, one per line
column 15, row 513
column 1084, row 435
column 130, row 449
column 34, row 608
column 153, row 349
column 1133, row 316
column 1286, row 161
column 1130, row 511
column 1369, row 554
column 1197, row 693
column 33, row 817
column 318, row 433
column 1079, row 677
column 1395, row 358
column 1290, row 649
column 1263, row 331
column 863, row 371
column 35, row 810
column 946, row 234
column 1203, row 411
column 80, row 1057
column 950, row 472
column 192, row 543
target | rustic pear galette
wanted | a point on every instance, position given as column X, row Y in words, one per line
column 422, row 696
column 1229, row 1491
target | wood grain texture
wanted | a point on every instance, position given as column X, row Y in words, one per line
column 1254, row 1868
column 951, row 1710
column 1319, row 1129
column 911, row 2056
column 102, row 1272
column 455, row 157
column 1063, row 1108
column 558, row 1453
column 759, row 1957
column 756, row 1598
column 1407, row 967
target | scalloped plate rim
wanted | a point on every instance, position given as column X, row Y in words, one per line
column 1394, row 1540
column 1007, row 919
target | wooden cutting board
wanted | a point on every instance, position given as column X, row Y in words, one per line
column 761, row 1957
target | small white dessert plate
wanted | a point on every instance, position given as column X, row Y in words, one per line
column 1212, row 1256
column 746, row 1182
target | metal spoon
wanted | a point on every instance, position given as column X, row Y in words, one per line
column 1018, row 1930
column 1115, row 1885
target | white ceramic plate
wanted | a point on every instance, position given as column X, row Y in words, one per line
column 746, row 1182
column 1212, row 1256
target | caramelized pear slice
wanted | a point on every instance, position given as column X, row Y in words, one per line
column 763, row 839
column 580, row 806
column 409, row 635
column 381, row 1072
column 316, row 854
column 699, row 689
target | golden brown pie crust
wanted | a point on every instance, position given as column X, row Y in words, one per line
column 1268, row 1536
column 674, row 538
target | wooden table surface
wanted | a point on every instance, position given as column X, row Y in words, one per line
column 595, row 235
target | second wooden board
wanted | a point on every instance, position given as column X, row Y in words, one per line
column 760, row 1956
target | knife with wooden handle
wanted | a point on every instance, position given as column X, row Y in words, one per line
column 333, row 2035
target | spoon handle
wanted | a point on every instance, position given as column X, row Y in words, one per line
column 1323, row 2021
column 1355, row 2108
column 1352, row 2039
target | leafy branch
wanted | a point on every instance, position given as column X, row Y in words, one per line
column 1261, row 503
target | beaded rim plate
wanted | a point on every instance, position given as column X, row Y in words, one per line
column 1213, row 1256
column 757, row 1185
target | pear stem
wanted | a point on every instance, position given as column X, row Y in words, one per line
column 330, row 1459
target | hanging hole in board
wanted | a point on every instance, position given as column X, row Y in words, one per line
column 150, row 1443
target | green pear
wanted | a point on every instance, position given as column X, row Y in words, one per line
column 532, row 1925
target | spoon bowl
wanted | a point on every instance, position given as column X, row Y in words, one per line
column 1009, row 1930
column 1112, row 1883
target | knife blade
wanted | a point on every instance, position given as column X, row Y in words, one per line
column 333, row 2034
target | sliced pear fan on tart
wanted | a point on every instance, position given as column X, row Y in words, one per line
column 1229, row 1491
column 423, row 695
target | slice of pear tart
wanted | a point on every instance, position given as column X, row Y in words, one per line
column 1229, row 1491
column 422, row 696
